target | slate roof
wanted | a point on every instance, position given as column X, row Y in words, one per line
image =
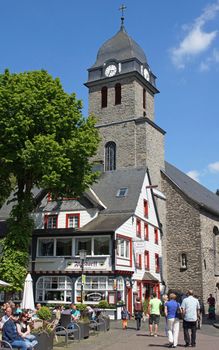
column 6, row 208
column 120, row 47
column 68, row 205
column 106, row 223
column 192, row 189
column 111, row 181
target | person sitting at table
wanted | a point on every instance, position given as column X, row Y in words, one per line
column 23, row 329
column 75, row 313
column 10, row 334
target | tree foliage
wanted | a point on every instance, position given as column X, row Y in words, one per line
column 44, row 142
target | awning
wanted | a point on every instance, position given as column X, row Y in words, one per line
column 148, row 277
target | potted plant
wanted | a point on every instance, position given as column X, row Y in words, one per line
column 84, row 321
column 103, row 304
column 45, row 331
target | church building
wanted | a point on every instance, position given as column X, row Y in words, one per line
column 144, row 226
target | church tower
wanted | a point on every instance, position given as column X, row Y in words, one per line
column 121, row 95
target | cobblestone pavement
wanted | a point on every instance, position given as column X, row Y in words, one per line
column 117, row 339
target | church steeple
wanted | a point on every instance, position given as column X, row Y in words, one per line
column 120, row 60
column 121, row 95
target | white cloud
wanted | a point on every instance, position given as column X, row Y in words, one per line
column 197, row 39
column 194, row 174
column 211, row 59
column 213, row 167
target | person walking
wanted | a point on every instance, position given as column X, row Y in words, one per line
column 125, row 316
column 154, row 314
column 172, row 309
column 138, row 310
column 190, row 309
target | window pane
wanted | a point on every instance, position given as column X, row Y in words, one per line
column 45, row 247
column 52, row 222
column 101, row 245
column 63, row 247
column 73, row 221
column 122, row 251
column 83, row 244
column 127, row 249
column 53, row 288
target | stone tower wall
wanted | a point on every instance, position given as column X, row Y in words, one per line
column 131, row 103
column 124, row 137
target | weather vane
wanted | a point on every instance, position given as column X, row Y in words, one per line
column 122, row 8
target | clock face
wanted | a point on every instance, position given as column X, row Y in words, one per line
column 146, row 74
column 110, row 71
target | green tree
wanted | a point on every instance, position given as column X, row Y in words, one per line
column 45, row 143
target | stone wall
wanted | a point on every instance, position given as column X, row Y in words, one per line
column 131, row 102
column 209, row 254
column 137, row 145
column 182, row 237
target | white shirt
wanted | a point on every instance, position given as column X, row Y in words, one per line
column 190, row 305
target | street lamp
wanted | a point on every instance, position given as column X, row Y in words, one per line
column 83, row 255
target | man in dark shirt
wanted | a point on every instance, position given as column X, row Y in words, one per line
column 211, row 300
column 9, row 333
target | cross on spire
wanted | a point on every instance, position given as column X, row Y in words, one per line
column 122, row 9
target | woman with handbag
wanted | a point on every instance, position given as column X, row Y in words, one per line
column 172, row 311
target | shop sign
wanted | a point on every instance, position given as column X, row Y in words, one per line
column 95, row 296
column 139, row 247
column 89, row 264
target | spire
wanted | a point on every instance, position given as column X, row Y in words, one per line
column 122, row 8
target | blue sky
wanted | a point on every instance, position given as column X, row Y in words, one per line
column 181, row 42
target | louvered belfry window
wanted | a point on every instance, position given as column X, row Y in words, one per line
column 118, row 95
column 104, row 97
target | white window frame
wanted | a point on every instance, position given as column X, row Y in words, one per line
column 73, row 253
column 126, row 248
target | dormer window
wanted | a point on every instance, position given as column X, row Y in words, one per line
column 122, row 192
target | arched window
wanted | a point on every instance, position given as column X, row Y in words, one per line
column 144, row 98
column 104, row 97
column 118, row 95
column 110, row 156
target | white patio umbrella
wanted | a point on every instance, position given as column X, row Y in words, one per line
column 4, row 284
column 28, row 300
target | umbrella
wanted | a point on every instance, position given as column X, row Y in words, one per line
column 28, row 301
column 4, row 284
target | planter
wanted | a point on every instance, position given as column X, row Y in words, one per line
column 107, row 322
column 45, row 341
column 111, row 313
column 84, row 327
